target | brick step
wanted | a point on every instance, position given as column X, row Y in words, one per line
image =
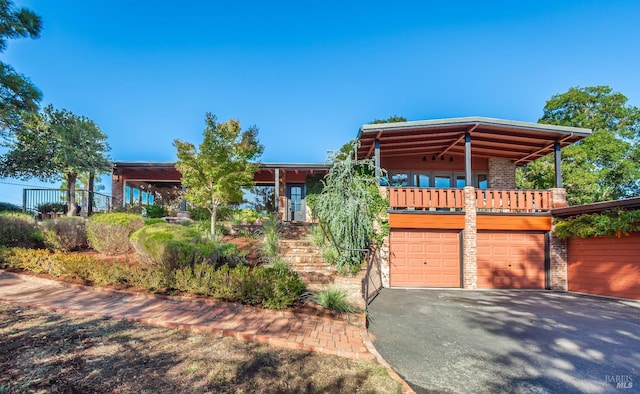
column 316, row 278
column 313, row 268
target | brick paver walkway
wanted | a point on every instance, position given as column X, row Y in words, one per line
column 283, row 329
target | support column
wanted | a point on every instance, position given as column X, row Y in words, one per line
column 90, row 199
column 558, row 165
column 469, row 243
column 467, row 159
column 276, row 188
column 376, row 156
column 117, row 191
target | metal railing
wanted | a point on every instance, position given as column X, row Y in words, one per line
column 87, row 202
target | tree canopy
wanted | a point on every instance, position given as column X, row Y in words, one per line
column 18, row 96
column 57, row 144
column 603, row 166
column 390, row 119
column 224, row 163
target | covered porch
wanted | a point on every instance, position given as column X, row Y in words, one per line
column 281, row 186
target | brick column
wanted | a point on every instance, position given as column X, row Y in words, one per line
column 469, row 246
column 116, row 191
column 558, row 197
column 282, row 190
column 558, row 262
column 557, row 246
column 502, row 174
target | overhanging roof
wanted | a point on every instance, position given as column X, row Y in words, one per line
column 520, row 142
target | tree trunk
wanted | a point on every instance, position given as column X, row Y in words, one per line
column 71, row 193
column 214, row 210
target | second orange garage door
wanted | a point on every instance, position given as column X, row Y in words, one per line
column 511, row 260
column 424, row 258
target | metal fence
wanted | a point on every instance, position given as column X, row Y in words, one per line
column 87, row 202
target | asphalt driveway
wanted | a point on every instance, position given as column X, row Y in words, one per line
column 460, row 341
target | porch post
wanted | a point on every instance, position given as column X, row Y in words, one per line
column 183, row 203
column 90, row 198
column 277, row 189
column 376, row 156
column 558, row 166
column 467, row 160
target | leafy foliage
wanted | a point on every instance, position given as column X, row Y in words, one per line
column 335, row 299
column 18, row 96
column 19, row 229
column 52, row 207
column 270, row 245
column 57, row 143
column 390, row 119
column 155, row 211
column 65, row 234
column 8, row 207
column 349, row 204
column 170, row 247
column 109, row 232
column 216, row 172
column 604, row 166
column 616, row 223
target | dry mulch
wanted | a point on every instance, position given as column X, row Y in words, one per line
column 48, row 352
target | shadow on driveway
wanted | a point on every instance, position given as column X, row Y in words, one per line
column 493, row 341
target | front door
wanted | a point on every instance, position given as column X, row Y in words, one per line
column 295, row 203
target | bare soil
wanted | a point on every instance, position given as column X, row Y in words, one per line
column 48, row 352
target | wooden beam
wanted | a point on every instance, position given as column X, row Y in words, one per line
column 456, row 142
column 373, row 145
column 547, row 147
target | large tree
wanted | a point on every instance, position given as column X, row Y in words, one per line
column 18, row 96
column 224, row 163
column 604, row 166
column 54, row 145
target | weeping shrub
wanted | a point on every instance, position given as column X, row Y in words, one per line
column 348, row 205
column 269, row 247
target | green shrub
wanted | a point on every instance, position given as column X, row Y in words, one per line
column 155, row 211
column 269, row 246
column 335, row 299
column 130, row 208
column 245, row 216
column 148, row 222
column 19, row 229
column 52, row 207
column 8, row 207
column 109, row 232
column 609, row 223
column 172, row 247
column 65, row 234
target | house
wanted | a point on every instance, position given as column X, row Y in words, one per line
column 456, row 218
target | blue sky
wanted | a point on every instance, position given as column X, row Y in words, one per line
column 309, row 74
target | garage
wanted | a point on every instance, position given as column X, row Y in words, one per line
column 425, row 258
column 511, row 260
column 606, row 266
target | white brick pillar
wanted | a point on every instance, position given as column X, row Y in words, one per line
column 469, row 246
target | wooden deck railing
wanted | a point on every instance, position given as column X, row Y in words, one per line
column 487, row 200
column 425, row 198
column 525, row 201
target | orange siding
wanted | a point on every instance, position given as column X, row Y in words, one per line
column 426, row 221
column 513, row 222
column 606, row 266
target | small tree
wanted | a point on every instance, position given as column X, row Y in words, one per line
column 57, row 145
column 216, row 172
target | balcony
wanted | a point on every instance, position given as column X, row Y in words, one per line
column 487, row 200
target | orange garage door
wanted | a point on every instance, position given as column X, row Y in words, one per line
column 510, row 260
column 425, row 258
column 607, row 266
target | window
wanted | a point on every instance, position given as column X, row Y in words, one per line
column 399, row 180
column 421, row 180
column 460, row 181
column 442, row 181
column 483, row 181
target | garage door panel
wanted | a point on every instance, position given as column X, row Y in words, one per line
column 425, row 258
column 508, row 259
